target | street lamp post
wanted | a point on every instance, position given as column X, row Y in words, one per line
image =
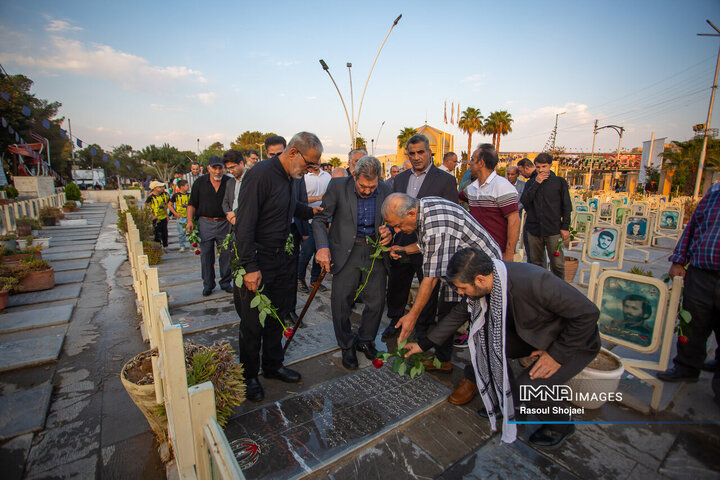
column 619, row 130
column 555, row 130
column 352, row 125
column 377, row 138
column 701, row 165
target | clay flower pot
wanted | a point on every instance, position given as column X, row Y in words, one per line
column 39, row 280
column 571, row 267
column 23, row 229
column 15, row 259
column 4, row 299
column 48, row 221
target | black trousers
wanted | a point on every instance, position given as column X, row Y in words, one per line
column 701, row 297
column 400, row 279
column 279, row 283
column 444, row 351
column 160, row 231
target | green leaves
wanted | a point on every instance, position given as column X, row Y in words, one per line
column 290, row 245
column 436, row 363
column 225, row 245
column 412, row 365
column 255, row 301
column 402, row 344
column 684, row 315
column 402, row 368
column 377, row 253
column 396, row 364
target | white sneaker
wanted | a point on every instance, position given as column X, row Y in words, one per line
column 182, row 249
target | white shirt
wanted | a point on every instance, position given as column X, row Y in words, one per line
column 445, row 169
column 238, row 183
column 316, row 185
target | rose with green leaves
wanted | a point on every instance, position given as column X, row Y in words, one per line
column 413, row 365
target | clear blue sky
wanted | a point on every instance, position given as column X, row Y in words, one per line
column 154, row 72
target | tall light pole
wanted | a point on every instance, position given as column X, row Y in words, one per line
column 377, row 138
column 555, row 130
column 701, row 165
column 619, row 130
column 592, row 156
column 353, row 125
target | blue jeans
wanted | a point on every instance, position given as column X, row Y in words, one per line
column 182, row 239
column 307, row 252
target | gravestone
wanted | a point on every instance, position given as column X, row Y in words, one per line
column 302, row 433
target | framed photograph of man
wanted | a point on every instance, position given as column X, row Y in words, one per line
column 583, row 220
column 632, row 310
column 581, row 207
column 593, row 204
column 620, row 214
column 606, row 209
column 669, row 220
column 637, row 229
column 602, row 243
column 639, row 208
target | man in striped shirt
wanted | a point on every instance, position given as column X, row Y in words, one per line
column 493, row 200
column 194, row 173
column 442, row 228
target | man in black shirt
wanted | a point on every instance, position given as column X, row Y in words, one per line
column 205, row 204
column 546, row 199
column 267, row 254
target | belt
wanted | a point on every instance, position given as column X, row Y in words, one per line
column 214, row 219
column 363, row 240
column 270, row 250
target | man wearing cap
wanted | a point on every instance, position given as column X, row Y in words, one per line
column 205, row 204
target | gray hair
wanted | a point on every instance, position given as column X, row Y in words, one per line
column 351, row 152
column 517, row 170
column 417, row 138
column 369, row 167
column 403, row 204
column 305, row 141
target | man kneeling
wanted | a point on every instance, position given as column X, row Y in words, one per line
column 518, row 310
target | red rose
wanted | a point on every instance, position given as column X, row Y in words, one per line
column 683, row 339
column 377, row 363
column 197, row 252
column 557, row 254
column 288, row 332
column 195, row 244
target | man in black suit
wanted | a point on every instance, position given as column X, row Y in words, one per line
column 354, row 204
column 422, row 180
column 526, row 312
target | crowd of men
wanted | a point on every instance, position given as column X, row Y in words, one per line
column 290, row 212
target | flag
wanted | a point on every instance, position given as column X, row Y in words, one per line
column 458, row 116
column 445, row 112
column 10, row 129
column 79, row 143
column 4, row 122
column 93, row 152
column 62, row 133
column 26, row 110
column 452, row 112
column 117, row 163
column 46, row 123
column 105, row 159
column 17, row 137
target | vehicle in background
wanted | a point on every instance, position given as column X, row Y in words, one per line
column 89, row 179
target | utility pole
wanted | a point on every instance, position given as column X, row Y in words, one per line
column 555, row 129
column 592, row 156
column 701, row 165
column 352, row 107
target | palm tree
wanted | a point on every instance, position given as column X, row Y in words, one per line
column 490, row 127
column 404, row 136
column 470, row 121
column 502, row 124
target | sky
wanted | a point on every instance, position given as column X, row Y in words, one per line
column 143, row 73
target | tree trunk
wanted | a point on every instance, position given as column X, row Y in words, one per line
column 497, row 149
column 493, row 139
column 469, row 145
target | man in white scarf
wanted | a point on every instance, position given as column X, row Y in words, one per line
column 518, row 310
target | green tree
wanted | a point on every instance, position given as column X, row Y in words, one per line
column 471, row 121
column 498, row 124
column 403, row 138
column 85, row 159
column 18, row 89
column 360, row 143
column 248, row 140
column 684, row 158
column 334, row 162
column 216, row 149
column 161, row 162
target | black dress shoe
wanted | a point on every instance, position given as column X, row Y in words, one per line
column 551, row 435
column 368, row 349
column 302, row 286
column 228, row 288
column 710, row 365
column 676, row 374
column 349, row 358
column 207, row 291
column 254, row 391
column 321, row 288
column 390, row 331
column 283, row 374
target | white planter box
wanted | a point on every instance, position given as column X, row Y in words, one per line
column 42, row 242
column 76, row 221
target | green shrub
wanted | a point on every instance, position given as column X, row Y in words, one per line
column 154, row 252
column 33, row 222
column 11, row 191
column 70, row 206
column 72, row 192
column 142, row 220
column 109, row 187
column 46, row 212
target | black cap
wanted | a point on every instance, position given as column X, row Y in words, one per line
column 215, row 160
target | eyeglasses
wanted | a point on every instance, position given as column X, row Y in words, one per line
column 308, row 164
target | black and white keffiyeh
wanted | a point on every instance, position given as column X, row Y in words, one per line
column 487, row 352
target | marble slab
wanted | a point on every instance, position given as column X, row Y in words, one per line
column 302, row 433
column 71, row 255
column 60, row 292
column 311, row 341
column 41, row 317
column 199, row 317
column 63, row 265
column 70, row 247
column 25, row 411
column 30, row 351
column 187, row 294
column 69, row 276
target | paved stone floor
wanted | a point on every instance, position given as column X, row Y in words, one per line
column 332, row 424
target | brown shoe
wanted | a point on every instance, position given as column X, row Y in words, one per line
column 445, row 367
column 463, row 393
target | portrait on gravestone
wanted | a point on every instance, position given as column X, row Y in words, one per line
column 603, row 243
column 639, row 209
column 629, row 310
column 606, row 210
column 637, row 229
column 593, row 204
column 581, row 208
column 620, row 214
column 582, row 221
column 669, row 219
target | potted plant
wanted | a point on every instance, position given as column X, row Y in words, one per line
column 33, row 241
column 14, row 257
column 8, row 242
column 600, row 377
column 25, row 226
column 33, row 275
column 72, row 192
column 7, row 284
column 70, row 206
column 571, row 263
column 154, row 252
column 50, row 215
